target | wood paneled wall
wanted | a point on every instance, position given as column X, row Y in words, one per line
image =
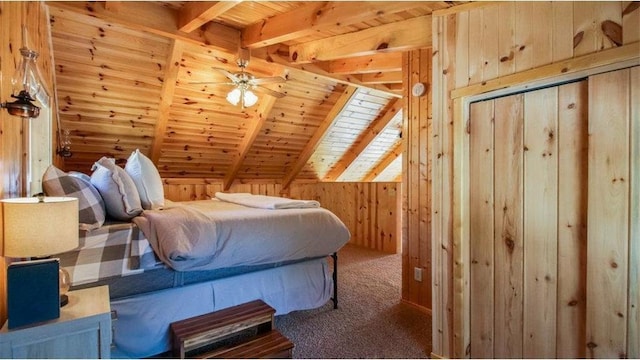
column 417, row 185
column 371, row 211
column 14, row 147
column 481, row 47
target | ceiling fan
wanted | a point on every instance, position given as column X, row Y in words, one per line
column 245, row 83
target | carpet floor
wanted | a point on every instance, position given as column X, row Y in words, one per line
column 370, row 322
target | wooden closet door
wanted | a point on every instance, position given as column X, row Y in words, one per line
column 527, row 218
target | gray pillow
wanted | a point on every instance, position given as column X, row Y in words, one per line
column 117, row 189
column 56, row 182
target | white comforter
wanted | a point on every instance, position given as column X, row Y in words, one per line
column 212, row 234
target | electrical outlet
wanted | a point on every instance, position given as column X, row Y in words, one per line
column 417, row 274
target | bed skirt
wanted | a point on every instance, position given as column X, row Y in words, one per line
column 142, row 325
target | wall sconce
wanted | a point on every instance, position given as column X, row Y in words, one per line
column 25, row 81
column 64, row 143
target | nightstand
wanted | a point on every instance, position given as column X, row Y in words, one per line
column 83, row 330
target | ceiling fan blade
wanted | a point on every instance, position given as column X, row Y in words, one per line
column 268, row 80
column 211, row 83
column 228, row 74
column 268, row 91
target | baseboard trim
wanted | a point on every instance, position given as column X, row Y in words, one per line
column 417, row 307
column 436, row 356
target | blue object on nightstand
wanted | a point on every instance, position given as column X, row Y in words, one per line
column 33, row 294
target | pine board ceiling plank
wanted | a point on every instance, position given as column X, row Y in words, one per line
column 104, row 78
column 197, row 13
column 260, row 117
column 132, row 117
column 100, row 73
column 316, row 16
column 87, row 101
column 72, row 60
column 109, row 129
column 166, row 97
column 320, row 133
column 221, row 128
column 399, row 36
column 116, row 91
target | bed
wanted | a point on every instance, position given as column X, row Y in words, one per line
column 190, row 258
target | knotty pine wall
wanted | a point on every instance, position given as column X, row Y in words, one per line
column 14, row 146
column 486, row 46
column 416, row 182
column 371, row 211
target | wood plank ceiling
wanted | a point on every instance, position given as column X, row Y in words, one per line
column 124, row 74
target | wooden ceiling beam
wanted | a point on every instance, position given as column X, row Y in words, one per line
column 316, row 16
column 319, row 134
column 365, row 138
column 389, row 157
column 256, row 122
column 197, row 13
column 320, row 72
column 391, row 77
column 156, row 19
column 365, row 64
column 166, row 98
column 403, row 35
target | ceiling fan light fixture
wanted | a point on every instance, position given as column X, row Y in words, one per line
column 243, row 96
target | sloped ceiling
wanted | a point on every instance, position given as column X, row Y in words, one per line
column 125, row 74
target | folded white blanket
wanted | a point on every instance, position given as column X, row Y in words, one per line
column 266, row 202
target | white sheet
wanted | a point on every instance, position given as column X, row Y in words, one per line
column 212, row 234
column 142, row 327
column 266, row 202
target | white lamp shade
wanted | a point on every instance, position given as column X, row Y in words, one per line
column 38, row 229
column 250, row 98
column 234, row 96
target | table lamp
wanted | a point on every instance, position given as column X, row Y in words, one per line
column 39, row 227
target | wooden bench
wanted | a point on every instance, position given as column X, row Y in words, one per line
column 245, row 330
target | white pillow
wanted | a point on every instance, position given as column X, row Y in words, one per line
column 147, row 180
column 120, row 195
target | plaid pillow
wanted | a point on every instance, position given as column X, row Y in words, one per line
column 56, row 182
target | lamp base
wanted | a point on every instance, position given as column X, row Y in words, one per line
column 64, row 300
